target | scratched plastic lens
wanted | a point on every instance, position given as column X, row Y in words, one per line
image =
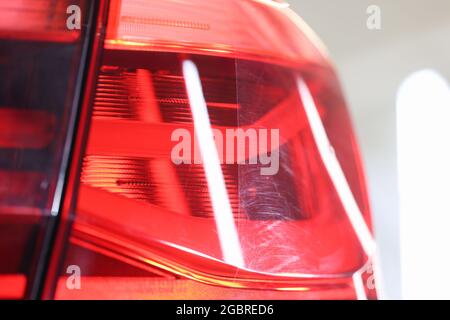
column 219, row 152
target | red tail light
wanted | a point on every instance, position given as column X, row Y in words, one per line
column 214, row 159
column 38, row 20
column 39, row 66
column 153, row 223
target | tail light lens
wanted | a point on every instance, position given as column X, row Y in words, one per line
column 39, row 20
column 219, row 162
column 40, row 68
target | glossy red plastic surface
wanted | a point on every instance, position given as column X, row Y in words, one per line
column 261, row 30
column 145, row 211
column 38, row 20
column 39, row 63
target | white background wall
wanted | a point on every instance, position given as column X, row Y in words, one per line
column 415, row 34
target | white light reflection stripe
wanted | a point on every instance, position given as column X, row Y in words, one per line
column 335, row 171
column 359, row 286
column 223, row 214
column 274, row 3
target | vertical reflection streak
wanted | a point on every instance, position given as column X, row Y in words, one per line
column 335, row 171
column 223, row 214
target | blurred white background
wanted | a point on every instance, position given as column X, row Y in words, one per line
column 372, row 64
